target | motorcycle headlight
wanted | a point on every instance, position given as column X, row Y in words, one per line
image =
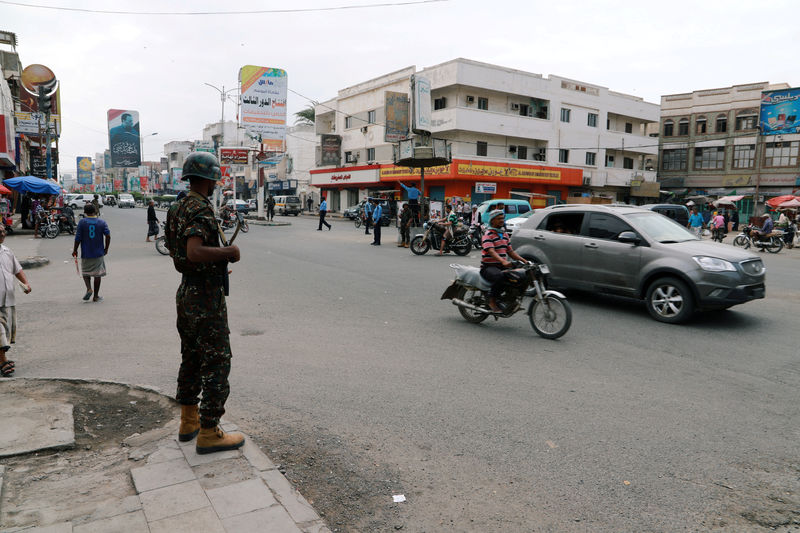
column 714, row 264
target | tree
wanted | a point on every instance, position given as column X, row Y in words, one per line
column 306, row 116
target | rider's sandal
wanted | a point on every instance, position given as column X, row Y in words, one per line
column 87, row 296
column 7, row 368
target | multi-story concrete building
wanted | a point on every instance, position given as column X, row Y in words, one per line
column 301, row 141
column 521, row 131
column 710, row 144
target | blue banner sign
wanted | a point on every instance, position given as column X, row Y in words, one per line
column 780, row 111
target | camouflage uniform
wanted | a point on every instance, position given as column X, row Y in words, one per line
column 202, row 314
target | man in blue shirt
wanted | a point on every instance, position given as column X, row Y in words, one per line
column 696, row 222
column 413, row 201
column 90, row 235
column 767, row 228
column 367, row 214
column 377, row 212
column 323, row 210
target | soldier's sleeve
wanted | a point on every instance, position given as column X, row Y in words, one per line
column 199, row 224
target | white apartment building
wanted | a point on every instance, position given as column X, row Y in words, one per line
column 521, row 131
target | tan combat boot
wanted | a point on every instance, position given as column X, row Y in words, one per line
column 190, row 423
column 213, row 440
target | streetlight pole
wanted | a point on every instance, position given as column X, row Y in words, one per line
column 141, row 146
column 223, row 94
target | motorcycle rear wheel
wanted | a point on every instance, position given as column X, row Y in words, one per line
column 419, row 245
column 550, row 317
column 774, row 245
column 245, row 227
column 740, row 240
column 475, row 298
column 161, row 246
column 462, row 248
column 357, row 222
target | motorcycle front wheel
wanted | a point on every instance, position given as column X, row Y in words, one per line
column 774, row 245
column 161, row 246
column 245, row 227
column 419, row 246
column 51, row 231
column 357, row 222
column 550, row 317
column 475, row 298
column 740, row 240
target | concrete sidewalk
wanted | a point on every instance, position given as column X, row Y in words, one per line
column 176, row 490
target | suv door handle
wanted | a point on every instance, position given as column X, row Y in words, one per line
column 539, row 237
column 590, row 245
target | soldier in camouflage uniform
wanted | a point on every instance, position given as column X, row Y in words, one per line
column 192, row 236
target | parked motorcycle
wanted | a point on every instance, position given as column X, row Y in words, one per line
column 66, row 220
column 773, row 242
column 549, row 314
column 460, row 243
column 229, row 220
column 476, row 236
column 161, row 244
column 48, row 225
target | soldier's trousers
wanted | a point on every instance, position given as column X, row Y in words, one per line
column 205, row 350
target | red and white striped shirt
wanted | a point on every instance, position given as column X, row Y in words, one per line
column 496, row 240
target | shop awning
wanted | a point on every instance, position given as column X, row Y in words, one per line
column 532, row 194
column 727, row 200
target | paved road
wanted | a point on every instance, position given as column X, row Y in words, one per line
column 350, row 370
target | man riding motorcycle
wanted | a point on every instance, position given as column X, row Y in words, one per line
column 494, row 258
column 766, row 229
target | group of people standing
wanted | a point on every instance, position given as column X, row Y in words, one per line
column 722, row 220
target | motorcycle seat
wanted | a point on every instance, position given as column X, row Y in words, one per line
column 470, row 275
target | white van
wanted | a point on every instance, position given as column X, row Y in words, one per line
column 77, row 201
column 288, row 205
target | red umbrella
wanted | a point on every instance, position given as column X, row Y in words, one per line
column 778, row 200
column 4, row 189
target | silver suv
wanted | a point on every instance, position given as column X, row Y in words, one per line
column 638, row 253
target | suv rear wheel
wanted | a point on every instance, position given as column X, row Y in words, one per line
column 669, row 300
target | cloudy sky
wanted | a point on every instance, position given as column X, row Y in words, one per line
column 158, row 64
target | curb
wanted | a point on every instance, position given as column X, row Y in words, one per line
column 34, row 262
column 278, row 502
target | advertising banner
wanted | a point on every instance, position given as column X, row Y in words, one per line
column 484, row 187
column 396, row 109
column 117, row 185
column 204, row 146
column 123, row 138
column 422, row 105
column 32, row 122
column 85, row 169
column 330, row 150
column 263, row 109
column 233, row 156
column 780, row 111
column 143, row 183
column 7, row 144
column 38, row 162
column 33, row 77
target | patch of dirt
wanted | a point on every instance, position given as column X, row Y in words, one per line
column 48, row 486
column 350, row 492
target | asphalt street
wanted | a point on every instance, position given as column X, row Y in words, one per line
column 624, row 424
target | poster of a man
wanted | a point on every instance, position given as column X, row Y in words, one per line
column 123, row 138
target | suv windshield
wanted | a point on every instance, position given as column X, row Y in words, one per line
column 661, row 228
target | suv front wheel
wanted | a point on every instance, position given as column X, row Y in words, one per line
column 669, row 300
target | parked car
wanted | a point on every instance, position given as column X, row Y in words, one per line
column 678, row 213
column 110, row 199
column 635, row 252
column 513, row 207
column 79, row 200
column 288, row 205
column 252, row 203
column 241, row 205
column 126, row 200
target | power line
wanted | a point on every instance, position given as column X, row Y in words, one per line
column 201, row 13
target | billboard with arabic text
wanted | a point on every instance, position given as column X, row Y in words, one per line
column 780, row 111
column 123, row 138
column 263, row 109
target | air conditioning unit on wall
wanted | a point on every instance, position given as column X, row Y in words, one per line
column 514, row 107
column 512, row 149
column 470, row 99
column 587, row 180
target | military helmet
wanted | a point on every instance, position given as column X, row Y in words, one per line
column 203, row 165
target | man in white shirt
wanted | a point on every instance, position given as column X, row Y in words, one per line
column 9, row 269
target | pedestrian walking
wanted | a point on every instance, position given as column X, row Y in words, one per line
column 377, row 213
column 406, row 218
column 10, row 269
column 192, row 235
column 152, row 221
column 96, row 203
column 696, row 222
column 323, row 210
column 735, row 220
column 270, row 207
column 94, row 238
column 310, row 202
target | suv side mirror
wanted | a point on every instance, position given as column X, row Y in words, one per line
column 629, row 237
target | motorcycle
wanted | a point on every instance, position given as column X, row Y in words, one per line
column 48, row 225
column 773, row 242
column 66, row 220
column 460, row 243
column 549, row 314
column 717, row 234
column 229, row 220
column 476, row 236
column 161, row 244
